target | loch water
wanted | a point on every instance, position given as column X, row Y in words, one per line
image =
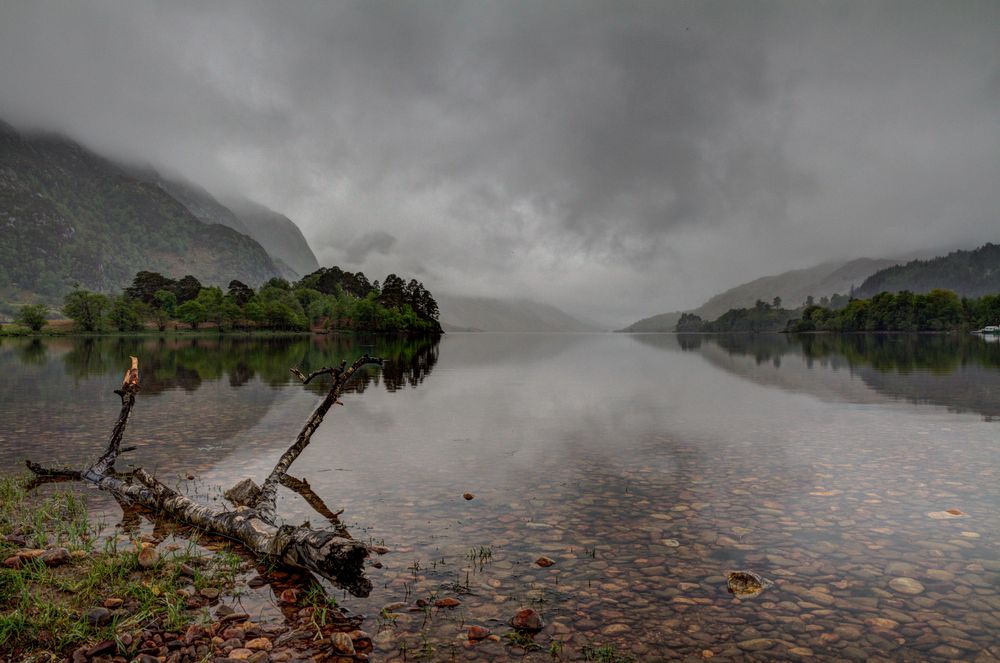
column 859, row 474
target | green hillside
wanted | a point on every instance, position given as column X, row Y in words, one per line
column 69, row 216
column 966, row 273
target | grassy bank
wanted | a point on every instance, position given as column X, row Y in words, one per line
column 63, row 589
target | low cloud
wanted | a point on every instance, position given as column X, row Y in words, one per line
column 616, row 160
column 371, row 242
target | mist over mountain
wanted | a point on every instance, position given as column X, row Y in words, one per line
column 505, row 315
column 793, row 287
column 277, row 233
column 71, row 217
column 196, row 199
column 616, row 161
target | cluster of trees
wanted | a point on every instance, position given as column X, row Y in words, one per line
column 762, row 317
column 393, row 294
column 328, row 298
column 32, row 316
column 937, row 310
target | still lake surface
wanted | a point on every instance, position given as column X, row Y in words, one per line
column 645, row 466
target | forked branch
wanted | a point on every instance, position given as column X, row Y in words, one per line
column 267, row 501
column 331, row 554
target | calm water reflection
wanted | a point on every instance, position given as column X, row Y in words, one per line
column 645, row 466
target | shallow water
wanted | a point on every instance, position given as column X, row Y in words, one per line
column 645, row 466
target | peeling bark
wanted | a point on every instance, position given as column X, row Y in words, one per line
column 331, row 554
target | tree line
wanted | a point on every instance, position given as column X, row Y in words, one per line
column 329, row 299
column 762, row 317
column 937, row 310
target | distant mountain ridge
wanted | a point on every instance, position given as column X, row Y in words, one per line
column 793, row 287
column 966, row 273
column 505, row 315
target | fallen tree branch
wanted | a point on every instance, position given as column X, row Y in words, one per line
column 267, row 501
column 330, row 554
column 305, row 491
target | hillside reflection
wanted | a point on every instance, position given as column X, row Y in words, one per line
column 957, row 371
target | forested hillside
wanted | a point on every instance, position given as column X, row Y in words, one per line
column 68, row 216
column 278, row 234
column 966, row 273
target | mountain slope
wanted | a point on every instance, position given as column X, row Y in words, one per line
column 278, row 234
column 504, row 315
column 202, row 204
column 664, row 322
column 266, row 226
column 70, row 216
column 793, row 287
column 967, row 273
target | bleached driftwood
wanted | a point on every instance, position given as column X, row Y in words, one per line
column 253, row 522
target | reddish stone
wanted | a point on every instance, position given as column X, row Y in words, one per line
column 526, row 619
column 194, row 632
column 230, row 633
column 259, row 644
column 447, row 603
column 478, row 633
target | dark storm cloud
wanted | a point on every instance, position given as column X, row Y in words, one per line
column 623, row 158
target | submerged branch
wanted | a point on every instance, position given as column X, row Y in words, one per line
column 331, row 554
column 267, row 502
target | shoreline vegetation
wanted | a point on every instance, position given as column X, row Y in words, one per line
column 937, row 311
column 328, row 300
column 72, row 590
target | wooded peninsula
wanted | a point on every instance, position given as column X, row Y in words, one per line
column 328, row 299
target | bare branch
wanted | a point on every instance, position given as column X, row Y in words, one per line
column 331, row 554
column 53, row 473
column 106, row 463
column 266, row 503
column 305, row 491
column 306, row 379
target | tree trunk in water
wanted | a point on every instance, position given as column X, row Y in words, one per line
column 332, row 554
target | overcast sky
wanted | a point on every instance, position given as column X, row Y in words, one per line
column 617, row 159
